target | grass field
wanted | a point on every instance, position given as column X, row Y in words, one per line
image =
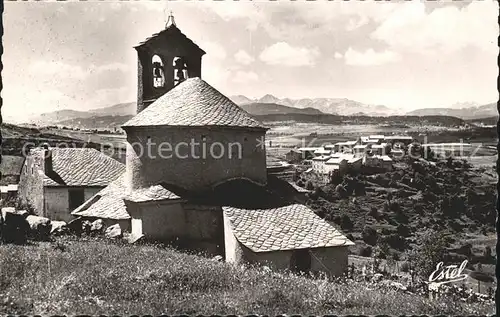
column 96, row 277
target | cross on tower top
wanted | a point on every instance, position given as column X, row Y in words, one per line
column 170, row 20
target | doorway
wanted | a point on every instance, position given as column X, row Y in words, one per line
column 300, row 261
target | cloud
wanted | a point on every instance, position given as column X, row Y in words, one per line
column 251, row 12
column 46, row 68
column 338, row 55
column 67, row 71
column 214, row 50
column 444, row 30
column 243, row 77
column 369, row 57
column 282, row 53
column 111, row 67
column 243, row 57
column 354, row 24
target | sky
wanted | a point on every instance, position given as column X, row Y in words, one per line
column 405, row 55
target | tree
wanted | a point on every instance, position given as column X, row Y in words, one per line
column 369, row 235
column 341, row 191
column 428, row 253
column 309, row 185
column 346, row 222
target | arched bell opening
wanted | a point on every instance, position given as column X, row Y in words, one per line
column 180, row 70
column 158, row 72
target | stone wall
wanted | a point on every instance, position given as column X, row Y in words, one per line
column 198, row 168
column 204, row 228
column 30, row 190
column 233, row 248
column 193, row 227
column 162, row 220
column 57, row 204
column 333, row 261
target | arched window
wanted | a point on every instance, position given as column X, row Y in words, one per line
column 180, row 70
column 158, row 72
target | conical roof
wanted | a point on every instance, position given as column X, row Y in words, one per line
column 194, row 103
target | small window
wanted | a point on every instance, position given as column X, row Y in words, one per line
column 76, row 198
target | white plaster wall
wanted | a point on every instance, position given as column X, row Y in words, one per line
column 57, row 204
column 333, row 261
column 203, row 222
column 233, row 252
column 158, row 220
column 276, row 260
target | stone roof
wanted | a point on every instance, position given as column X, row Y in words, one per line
column 79, row 167
column 284, row 228
column 152, row 193
column 171, row 30
column 321, row 158
column 336, row 160
column 109, row 203
column 194, row 103
column 106, row 204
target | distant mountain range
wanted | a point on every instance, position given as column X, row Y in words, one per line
column 471, row 111
column 339, row 106
column 100, row 118
column 259, row 109
column 268, row 107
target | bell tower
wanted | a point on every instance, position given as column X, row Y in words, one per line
column 164, row 60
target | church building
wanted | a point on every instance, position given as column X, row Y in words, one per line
column 196, row 173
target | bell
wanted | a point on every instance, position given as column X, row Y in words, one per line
column 180, row 75
column 157, row 72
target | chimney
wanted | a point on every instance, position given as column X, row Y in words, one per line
column 47, row 159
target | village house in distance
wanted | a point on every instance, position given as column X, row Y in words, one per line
column 335, row 160
column 226, row 205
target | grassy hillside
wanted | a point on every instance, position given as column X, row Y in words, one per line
column 96, row 277
column 391, row 211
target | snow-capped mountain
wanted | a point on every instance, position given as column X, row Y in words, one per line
column 340, row 106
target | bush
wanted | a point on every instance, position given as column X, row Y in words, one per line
column 346, row 222
column 365, row 251
column 403, row 230
column 309, row 185
column 370, row 235
column 373, row 212
column 337, row 220
column 430, row 251
column 341, row 191
column 465, row 249
column 405, row 267
column 395, row 241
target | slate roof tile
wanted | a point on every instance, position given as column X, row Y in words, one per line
column 80, row 167
column 284, row 228
column 106, row 204
column 194, row 103
column 109, row 203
